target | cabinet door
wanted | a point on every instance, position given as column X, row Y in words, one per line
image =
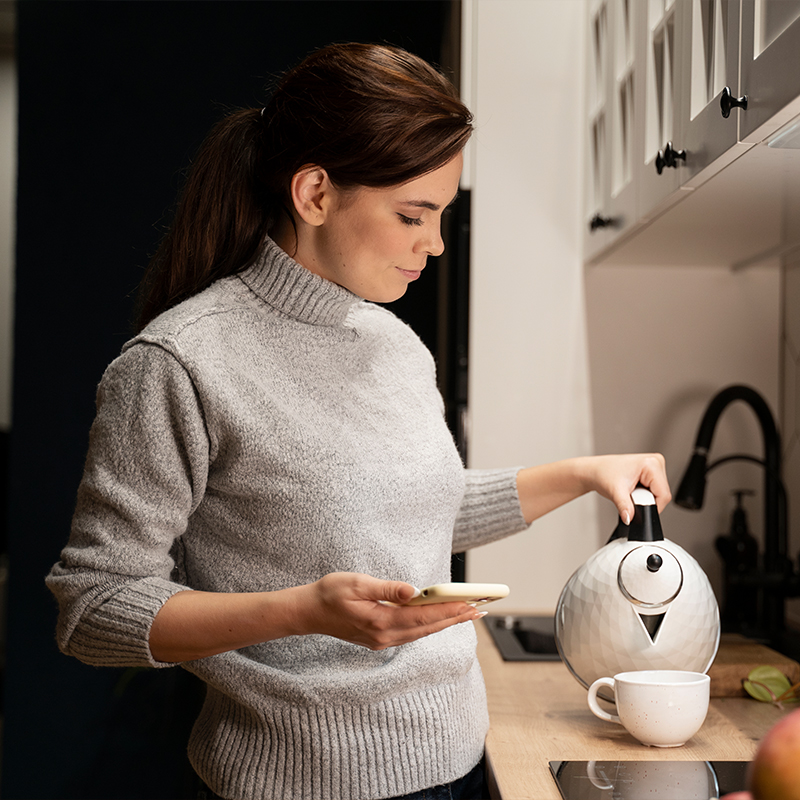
column 623, row 110
column 599, row 230
column 770, row 64
column 657, row 92
column 710, row 66
column 618, row 202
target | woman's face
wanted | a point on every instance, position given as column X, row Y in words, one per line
column 375, row 242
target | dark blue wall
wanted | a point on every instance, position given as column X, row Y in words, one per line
column 113, row 99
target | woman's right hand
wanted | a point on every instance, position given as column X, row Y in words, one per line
column 369, row 612
column 347, row 605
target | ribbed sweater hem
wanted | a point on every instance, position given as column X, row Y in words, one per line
column 337, row 752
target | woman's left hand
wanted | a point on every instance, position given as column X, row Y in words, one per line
column 616, row 476
column 546, row 487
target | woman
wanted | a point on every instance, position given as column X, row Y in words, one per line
column 269, row 474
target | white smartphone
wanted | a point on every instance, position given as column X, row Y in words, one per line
column 474, row 593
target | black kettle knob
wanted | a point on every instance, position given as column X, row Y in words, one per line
column 654, row 562
column 668, row 157
column 727, row 102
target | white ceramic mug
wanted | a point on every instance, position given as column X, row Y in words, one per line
column 661, row 708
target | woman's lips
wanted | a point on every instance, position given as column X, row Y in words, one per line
column 410, row 274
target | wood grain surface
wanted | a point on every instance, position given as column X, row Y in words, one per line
column 539, row 713
column 736, row 657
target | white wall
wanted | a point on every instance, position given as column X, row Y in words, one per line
column 529, row 390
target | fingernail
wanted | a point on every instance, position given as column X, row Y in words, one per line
column 480, row 614
column 417, row 593
column 627, row 518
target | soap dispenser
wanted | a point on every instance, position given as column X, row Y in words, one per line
column 739, row 552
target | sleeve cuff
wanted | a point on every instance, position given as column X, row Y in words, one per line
column 490, row 509
column 116, row 633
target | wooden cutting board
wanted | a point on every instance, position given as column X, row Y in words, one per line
column 736, row 657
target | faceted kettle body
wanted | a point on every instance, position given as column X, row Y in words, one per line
column 640, row 602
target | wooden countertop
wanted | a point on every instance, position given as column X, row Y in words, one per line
column 539, row 713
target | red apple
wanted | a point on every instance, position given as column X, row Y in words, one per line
column 775, row 771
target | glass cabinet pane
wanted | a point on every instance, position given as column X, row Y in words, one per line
column 660, row 96
column 772, row 18
column 623, row 101
column 770, row 65
column 598, row 57
column 709, row 52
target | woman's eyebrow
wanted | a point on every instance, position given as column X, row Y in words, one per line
column 428, row 204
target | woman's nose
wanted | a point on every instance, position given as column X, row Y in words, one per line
column 434, row 244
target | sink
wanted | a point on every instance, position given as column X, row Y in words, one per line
column 523, row 638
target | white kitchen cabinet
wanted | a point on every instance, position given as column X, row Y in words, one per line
column 692, row 61
column 683, row 59
column 634, row 77
column 770, row 63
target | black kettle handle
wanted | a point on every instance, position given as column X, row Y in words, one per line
column 645, row 525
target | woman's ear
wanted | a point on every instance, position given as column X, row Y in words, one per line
column 311, row 192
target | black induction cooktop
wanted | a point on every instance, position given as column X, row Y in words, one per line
column 523, row 638
column 648, row 780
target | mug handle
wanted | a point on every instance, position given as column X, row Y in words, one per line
column 593, row 704
column 598, row 782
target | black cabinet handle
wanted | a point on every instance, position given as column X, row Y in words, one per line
column 599, row 221
column 668, row 157
column 727, row 102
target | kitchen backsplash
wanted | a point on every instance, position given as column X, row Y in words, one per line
column 790, row 410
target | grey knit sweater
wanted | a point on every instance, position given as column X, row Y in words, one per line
column 271, row 430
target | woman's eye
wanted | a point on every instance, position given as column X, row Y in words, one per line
column 410, row 220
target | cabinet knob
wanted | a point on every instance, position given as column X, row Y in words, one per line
column 727, row 102
column 599, row 221
column 668, row 157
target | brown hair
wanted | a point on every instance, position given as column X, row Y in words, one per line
column 370, row 115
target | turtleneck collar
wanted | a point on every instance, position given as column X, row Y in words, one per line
column 296, row 291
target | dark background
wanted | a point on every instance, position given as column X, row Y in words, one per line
column 114, row 97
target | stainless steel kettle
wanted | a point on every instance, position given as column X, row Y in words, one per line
column 640, row 602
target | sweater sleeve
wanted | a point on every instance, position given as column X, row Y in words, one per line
column 490, row 509
column 145, row 473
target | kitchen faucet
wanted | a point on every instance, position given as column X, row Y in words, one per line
column 776, row 579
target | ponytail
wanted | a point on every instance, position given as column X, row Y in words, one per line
column 220, row 221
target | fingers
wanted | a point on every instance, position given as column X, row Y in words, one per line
column 649, row 470
column 653, row 475
column 660, row 485
column 367, row 611
column 410, row 624
column 396, row 592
